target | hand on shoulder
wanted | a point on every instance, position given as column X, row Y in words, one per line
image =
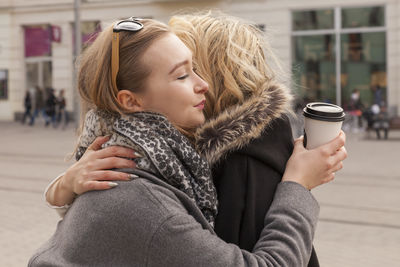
column 92, row 172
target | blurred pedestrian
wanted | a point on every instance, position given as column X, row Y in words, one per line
column 38, row 104
column 62, row 115
column 368, row 115
column 27, row 106
column 356, row 108
column 377, row 93
column 50, row 107
column 381, row 120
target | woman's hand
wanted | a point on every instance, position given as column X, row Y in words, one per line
column 312, row 168
column 92, row 172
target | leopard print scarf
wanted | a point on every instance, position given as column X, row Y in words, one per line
column 166, row 152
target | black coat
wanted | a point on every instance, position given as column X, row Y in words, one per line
column 248, row 148
column 246, row 182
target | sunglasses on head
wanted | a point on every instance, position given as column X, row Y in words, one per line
column 130, row 25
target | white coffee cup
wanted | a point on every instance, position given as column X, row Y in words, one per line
column 322, row 123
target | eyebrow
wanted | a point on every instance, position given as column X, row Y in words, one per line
column 179, row 65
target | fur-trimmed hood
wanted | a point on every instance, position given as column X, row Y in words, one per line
column 238, row 125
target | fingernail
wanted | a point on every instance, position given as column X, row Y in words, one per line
column 133, row 176
column 111, row 184
column 137, row 154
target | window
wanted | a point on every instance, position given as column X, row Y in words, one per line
column 313, row 20
column 3, row 84
column 38, row 67
column 89, row 32
column 363, row 17
column 331, row 58
column 314, row 67
column 38, row 73
column 363, row 65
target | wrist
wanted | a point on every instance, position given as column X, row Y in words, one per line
column 64, row 185
column 297, row 180
column 56, row 195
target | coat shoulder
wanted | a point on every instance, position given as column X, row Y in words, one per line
column 110, row 228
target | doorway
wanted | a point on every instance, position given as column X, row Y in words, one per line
column 38, row 72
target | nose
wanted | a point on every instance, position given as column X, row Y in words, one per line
column 201, row 86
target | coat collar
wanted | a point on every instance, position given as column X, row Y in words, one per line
column 238, row 125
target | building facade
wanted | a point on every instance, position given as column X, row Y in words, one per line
column 330, row 47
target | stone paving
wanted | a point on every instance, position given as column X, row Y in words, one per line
column 360, row 211
column 29, row 158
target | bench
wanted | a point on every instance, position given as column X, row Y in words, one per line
column 394, row 124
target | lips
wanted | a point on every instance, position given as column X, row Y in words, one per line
column 200, row 105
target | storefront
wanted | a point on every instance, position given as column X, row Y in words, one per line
column 330, row 48
column 39, row 56
column 338, row 50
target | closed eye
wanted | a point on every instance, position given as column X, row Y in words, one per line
column 183, row 77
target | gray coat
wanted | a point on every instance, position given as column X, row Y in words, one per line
column 146, row 222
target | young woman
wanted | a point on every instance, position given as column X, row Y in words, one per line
column 27, row 106
column 163, row 218
column 248, row 139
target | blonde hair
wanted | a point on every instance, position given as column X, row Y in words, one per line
column 228, row 54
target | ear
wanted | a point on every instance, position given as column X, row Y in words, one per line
column 130, row 101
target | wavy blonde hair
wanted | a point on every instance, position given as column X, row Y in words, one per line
column 229, row 54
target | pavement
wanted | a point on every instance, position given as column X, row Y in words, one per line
column 360, row 210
